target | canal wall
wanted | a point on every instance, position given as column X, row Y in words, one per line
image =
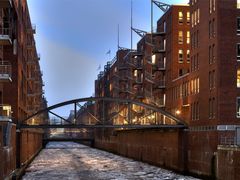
column 30, row 142
column 228, row 163
column 192, row 152
column 7, row 149
column 165, row 148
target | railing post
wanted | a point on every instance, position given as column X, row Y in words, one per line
column 18, row 147
column 75, row 113
column 129, row 114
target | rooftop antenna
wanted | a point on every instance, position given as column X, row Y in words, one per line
column 151, row 16
column 131, row 25
column 118, row 46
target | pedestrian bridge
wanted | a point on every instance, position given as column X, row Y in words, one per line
column 132, row 114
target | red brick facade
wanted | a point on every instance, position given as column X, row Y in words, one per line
column 22, row 90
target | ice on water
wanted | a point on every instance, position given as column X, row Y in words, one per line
column 68, row 160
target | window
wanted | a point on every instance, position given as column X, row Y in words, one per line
column 188, row 18
column 214, row 5
column 192, row 17
column 195, row 18
column 164, row 44
column 238, row 4
column 188, row 56
column 212, row 108
column 188, row 37
column 212, row 79
column 180, row 37
column 135, row 73
column 210, row 54
column 238, row 52
column 198, row 15
column 210, row 6
column 238, row 26
column 238, row 78
column 164, row 26
column 213, row 53
column 180, row 17
column 213, row 28
column 210, row 29
column 180, row 74
column 180, row 56
column 238, row 107
column 153, row 59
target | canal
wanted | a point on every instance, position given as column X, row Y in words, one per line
column 68, row 160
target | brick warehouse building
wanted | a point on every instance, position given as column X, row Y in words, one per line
column 21, row 92
column 199, row 68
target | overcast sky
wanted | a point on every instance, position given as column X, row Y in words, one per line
column 73, row 37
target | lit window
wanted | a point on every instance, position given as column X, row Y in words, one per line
column 238, row 25
column 210, row 6
column 188, row 18
column 188, row 56
column 238, row 4
column 180, row 17
column 180, row 56
column 154, row 59
column 198, row 15
column 164, row 44
column 238, row 107
column 135, row 73
column 214, row 5
column 180, row 37
column 238, row 78
column 188, row 37
column 238, row 52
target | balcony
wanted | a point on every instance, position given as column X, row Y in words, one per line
column 137, row 81
column 5, row 3
column 126, row 90
column 149, row 77
column 5, row 71
column 122, row 68
column 33, row 94
column 160, row 84
column 31, row 29
column 148, row 93
column 140, row 94
column 159, row 67
column 31, row 45
column 159, row 34
column 31, row 109
column 5, row 37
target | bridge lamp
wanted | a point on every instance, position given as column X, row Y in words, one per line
column 178, row 112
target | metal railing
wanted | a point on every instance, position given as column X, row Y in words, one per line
column 6, row 31
column 149, row 76
column 224, row 140
column 159, row 66
column 161, row 83
column 5, row 70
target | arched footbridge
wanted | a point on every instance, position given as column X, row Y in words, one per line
column 107, row 113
